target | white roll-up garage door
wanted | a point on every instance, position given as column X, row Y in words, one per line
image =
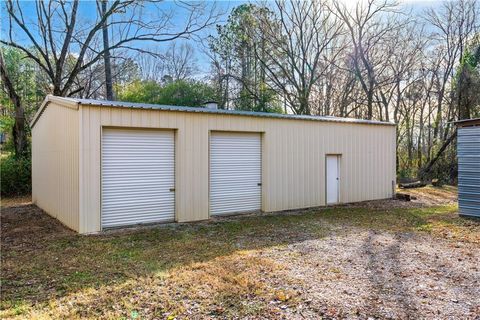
column 138, row 177
column 235, row 172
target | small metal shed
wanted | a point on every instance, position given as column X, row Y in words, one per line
column 468, row 153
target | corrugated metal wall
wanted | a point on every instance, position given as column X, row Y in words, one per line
column 293, row 158
column 55, row 164
column 468, row 152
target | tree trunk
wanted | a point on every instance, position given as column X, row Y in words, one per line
column 430, row 164
column 370, row 103
column 438, row 118
column 304, row 107
column 419, row 141
column 106, row 55
column 19, row 135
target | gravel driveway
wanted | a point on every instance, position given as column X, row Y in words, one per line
column 362, row 274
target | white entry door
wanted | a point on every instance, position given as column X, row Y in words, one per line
column 138, row 177
column 333, row 178
column 235, row 172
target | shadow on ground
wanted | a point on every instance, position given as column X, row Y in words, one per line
column 42, row 261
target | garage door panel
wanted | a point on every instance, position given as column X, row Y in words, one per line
column 143, row 207
column 144, row 200
column 138, row 171
column 131, row 180
column 148, row 161
column 236, row 196
column 227, row 176
column 119, row 222
column 234, row 186
column 235, row 172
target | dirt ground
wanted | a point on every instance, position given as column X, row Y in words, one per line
column 384, row 259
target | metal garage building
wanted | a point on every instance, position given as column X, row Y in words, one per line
column 468, row 153
column 101, row 164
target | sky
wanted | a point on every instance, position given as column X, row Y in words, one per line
column 87, row 13
column 417, row 7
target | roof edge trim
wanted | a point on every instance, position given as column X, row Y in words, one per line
column 76, row 102
column 467, row 122
column 61, row 101
column 145, row 106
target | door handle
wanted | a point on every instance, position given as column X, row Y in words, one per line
column 172, row 189
column 259, row 184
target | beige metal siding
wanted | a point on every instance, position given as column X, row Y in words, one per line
column 55, row 167
column 293, row 158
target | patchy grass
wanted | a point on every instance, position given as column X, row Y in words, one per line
column 15, row 201
column 219, row 268
column 431, row 195
column 441, row 221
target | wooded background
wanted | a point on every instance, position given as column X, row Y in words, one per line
column 376, row 60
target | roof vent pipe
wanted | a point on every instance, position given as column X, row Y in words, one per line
column 211, row 105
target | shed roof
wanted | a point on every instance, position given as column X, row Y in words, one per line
column 468, row 122
column 122, row 104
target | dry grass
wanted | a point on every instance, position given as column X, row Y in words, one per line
column 434, row 195
column 15, row 201
column 225, row 268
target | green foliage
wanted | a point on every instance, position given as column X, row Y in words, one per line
column 140, row 91
column 26, row 78
column 406, row 173
column 466, row 82
column 266, row 101
column 186, row 93
column 15, row 174
column 237, row 46
column 446, row 168
column 178, row 93
column 6, row 126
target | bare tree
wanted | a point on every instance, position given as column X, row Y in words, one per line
column 180, row 61
column 295, row 47
column 19, row 135
column 454, row 26
column 124, row 71
column 219, row 75
column 152, row 65
column 177, row 62
column 467, row 95
column 106, row 55
column 58, row 32
column 235, row 55
column 368, row 26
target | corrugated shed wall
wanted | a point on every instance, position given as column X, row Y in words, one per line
column 468, row 152
column 55, row 163
column 293, row 158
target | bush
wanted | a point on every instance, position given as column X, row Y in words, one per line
column 188, row 93
column 15, row 175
